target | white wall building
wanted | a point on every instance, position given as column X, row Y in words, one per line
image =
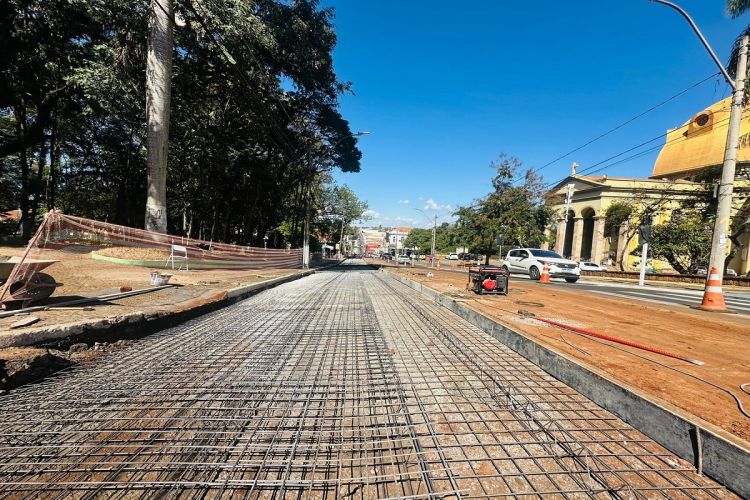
column 396, row 238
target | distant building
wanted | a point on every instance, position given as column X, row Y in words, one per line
column 370, row 241
column 395, row 239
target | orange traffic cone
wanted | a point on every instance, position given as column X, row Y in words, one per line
column 437, row 266
column 713, row 296
column 544, row 278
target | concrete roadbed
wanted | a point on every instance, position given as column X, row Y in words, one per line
column 717, row 453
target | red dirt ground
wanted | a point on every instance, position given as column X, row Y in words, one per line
column 720, row 341
column 83, row 276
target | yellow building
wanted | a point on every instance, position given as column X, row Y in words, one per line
column 700, row 143
column 689, row 149
column 580, row 235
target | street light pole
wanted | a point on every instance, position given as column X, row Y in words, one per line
column 434, row 229
column 700, row 36
column 726, row 186
column 713, row 297
column 306, row 226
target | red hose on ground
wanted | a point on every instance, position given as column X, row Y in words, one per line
column 619, row 341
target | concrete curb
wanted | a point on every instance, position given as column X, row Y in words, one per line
column 142, row 323
column 724, row 457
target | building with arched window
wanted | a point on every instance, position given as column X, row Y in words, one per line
column 580, row 234
column 581, row 202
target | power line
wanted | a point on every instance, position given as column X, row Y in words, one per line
column 592, row 168
column 621, row 125
column 588, row 170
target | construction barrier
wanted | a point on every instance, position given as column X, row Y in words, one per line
column 64, row 243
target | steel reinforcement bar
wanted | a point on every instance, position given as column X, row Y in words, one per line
column 340, row 385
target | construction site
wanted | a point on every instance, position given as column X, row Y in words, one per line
column 345, row 384
column 253, row 249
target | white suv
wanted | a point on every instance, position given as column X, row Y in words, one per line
column 531, row 261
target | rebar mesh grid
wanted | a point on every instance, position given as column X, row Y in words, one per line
column 515, row 429
column 340, row 385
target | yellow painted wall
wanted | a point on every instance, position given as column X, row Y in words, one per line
column 700, row 142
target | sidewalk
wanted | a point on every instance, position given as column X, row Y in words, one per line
column 720, row 341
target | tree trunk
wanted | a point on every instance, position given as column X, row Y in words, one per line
column 23, row 202
column 158, row 92
column 341, row 239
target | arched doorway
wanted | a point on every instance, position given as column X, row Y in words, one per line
column 569, row 227
column 587, row 234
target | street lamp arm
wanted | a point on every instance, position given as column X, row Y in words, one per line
column 703, row 40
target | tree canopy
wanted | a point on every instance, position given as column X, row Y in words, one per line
column 684, row 240
column 515, row 211
column 254, row 114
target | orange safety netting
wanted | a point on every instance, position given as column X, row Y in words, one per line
column 90, row 254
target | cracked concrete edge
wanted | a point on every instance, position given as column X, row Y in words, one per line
column 726, row 457
column 149, row 320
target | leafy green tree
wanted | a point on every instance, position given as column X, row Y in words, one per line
column 335, row 209
column 684, row 241
column 421, row 239
column 737, row 7
column 446, row 239
column 347, row 208
column 514, row 210
column 254, row 122
column 615, row 216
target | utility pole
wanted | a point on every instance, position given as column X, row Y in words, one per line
column 434, row 229
column 644, row 258
column 726, row 186
column 713, row 297
column 569, row 199
column 306, row 226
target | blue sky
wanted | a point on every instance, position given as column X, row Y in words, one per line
column 444, row 87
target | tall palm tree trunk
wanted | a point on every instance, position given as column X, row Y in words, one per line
column 158, row 92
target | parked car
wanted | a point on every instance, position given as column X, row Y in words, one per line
column 590, row 266
column 467, row 256
column 730, row 272
column 386, row 256
column 452, row 256
column 422, row 256
column 403, row 259
column 531, row 261
column 701, row 271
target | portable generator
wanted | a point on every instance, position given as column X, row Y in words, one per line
column 488, row 280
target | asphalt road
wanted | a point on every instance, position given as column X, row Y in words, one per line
column 737, row 302
column 344, row 384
